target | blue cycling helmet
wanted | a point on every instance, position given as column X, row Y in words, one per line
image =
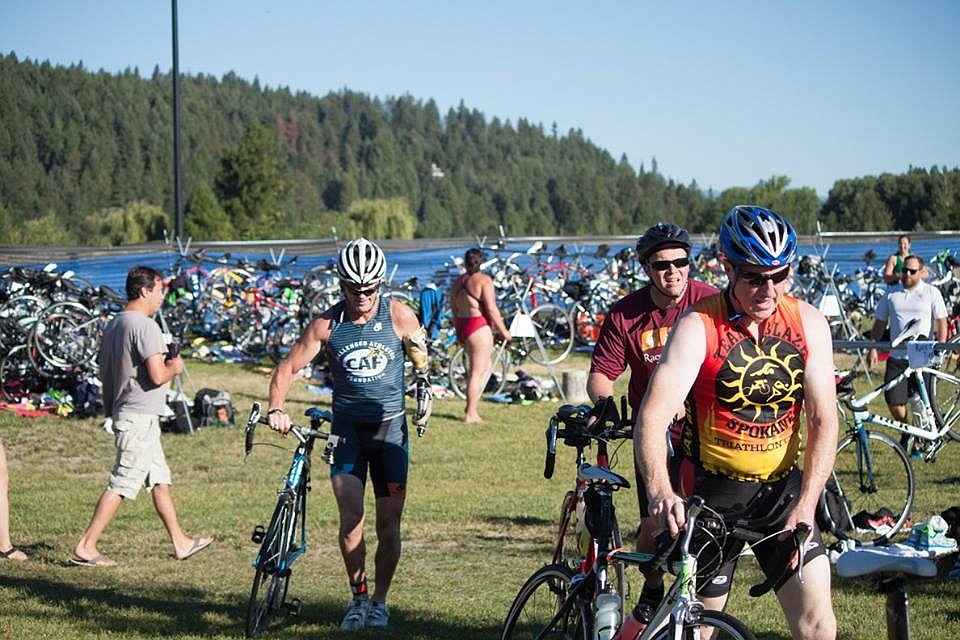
column 757, row 236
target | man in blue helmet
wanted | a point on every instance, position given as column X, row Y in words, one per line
column 743, row 363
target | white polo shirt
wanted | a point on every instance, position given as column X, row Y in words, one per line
column 924, row 302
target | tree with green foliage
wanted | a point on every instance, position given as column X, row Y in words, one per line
column 134, row 223
column 204, row 218
column 251, row 185
column 382, row 219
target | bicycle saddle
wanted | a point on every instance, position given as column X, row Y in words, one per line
column 593, row 475
column 862, row 562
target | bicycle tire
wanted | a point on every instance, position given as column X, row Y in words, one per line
column 536, row 603
column 724, row 626
column 272, row 570
column 457, row 373
column 889, row 483
column 945, row 400
column 555, row 328
column 66, row 334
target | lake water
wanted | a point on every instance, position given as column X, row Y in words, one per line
column 112, row 270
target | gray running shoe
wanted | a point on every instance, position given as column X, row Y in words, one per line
column 378, row 615
column 356, row 616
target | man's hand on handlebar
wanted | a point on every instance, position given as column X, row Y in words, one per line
column 670, row 513
column 279, row 420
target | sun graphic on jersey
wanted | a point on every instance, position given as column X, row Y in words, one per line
column 759, row 382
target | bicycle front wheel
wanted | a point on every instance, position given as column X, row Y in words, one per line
column 272, row 579
column 722, row 625
column 871, row 473
column 538, row 602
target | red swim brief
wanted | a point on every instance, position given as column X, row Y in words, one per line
column 466, row 326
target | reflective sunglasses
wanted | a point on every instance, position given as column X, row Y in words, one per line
column 663, row 265
column 912, row 272
column 357, row 291
column 759, row 280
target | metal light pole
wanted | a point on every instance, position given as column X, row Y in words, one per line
column 177, row 195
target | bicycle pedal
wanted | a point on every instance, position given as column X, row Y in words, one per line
column 293, row 607
column 258, row 534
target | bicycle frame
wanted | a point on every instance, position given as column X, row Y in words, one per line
column 298, row 474
column 862, row 415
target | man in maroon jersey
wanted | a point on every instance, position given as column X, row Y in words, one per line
column 634, row 333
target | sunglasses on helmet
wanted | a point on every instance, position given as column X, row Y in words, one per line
column 759, row 279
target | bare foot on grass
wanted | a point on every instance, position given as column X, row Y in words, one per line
column 475, row 418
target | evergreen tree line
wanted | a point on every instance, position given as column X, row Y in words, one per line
column 87, row 158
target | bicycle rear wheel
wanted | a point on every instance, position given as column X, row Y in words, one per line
column 555, row 327
column 722, row 625
column 871, row 472
column 457, row 372
column 272, row 578
column 537, row 603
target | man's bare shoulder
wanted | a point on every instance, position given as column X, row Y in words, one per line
column 403, row 317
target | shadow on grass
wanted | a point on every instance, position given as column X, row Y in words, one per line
column 521, row 521
column 191, row 611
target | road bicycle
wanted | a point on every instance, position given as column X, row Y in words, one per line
column 868, row 497
column 284, row 539
column 556, row 602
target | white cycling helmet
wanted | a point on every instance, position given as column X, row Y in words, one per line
column 361, row 262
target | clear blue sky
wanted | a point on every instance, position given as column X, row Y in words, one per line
column 726, row 93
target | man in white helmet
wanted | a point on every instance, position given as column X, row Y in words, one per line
column 365, row 338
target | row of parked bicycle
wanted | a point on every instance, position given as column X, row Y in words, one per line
column 50, row 321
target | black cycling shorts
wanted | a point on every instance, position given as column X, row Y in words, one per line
column 901, row 392
column 383, row 447
column 726, row 494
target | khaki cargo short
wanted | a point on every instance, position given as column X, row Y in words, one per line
column 140, row 460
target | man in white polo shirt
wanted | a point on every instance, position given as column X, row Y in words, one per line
column 911, row 299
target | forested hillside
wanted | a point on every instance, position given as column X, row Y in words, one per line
column 87, row 158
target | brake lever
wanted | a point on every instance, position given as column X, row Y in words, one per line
column 798, row 536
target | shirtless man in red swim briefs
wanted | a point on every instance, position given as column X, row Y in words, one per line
column 474, row 305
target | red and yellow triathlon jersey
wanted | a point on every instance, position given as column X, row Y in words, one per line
column 743, row 410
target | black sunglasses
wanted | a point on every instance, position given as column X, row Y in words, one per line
column 357, row 291
column 663, row 265
column 759, row 280
column 912, row 272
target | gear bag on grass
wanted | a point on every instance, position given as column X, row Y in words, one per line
column 212, row 408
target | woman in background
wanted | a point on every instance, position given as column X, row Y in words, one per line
column 475, row 314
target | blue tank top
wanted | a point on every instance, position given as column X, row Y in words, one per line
column 366, row 361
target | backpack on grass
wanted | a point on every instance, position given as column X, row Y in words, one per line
column 212, row 408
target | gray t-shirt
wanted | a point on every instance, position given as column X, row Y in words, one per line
column 924, row 302
column 129, row 339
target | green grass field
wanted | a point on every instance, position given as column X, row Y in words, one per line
column 479, row 520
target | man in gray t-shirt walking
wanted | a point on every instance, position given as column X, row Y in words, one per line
column 913, row 299
column 134, row 369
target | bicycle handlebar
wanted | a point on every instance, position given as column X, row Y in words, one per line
column 303, row 434
column 737, row 526
column 571, row 424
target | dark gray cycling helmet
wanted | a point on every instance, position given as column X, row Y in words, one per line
column 663, row 234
